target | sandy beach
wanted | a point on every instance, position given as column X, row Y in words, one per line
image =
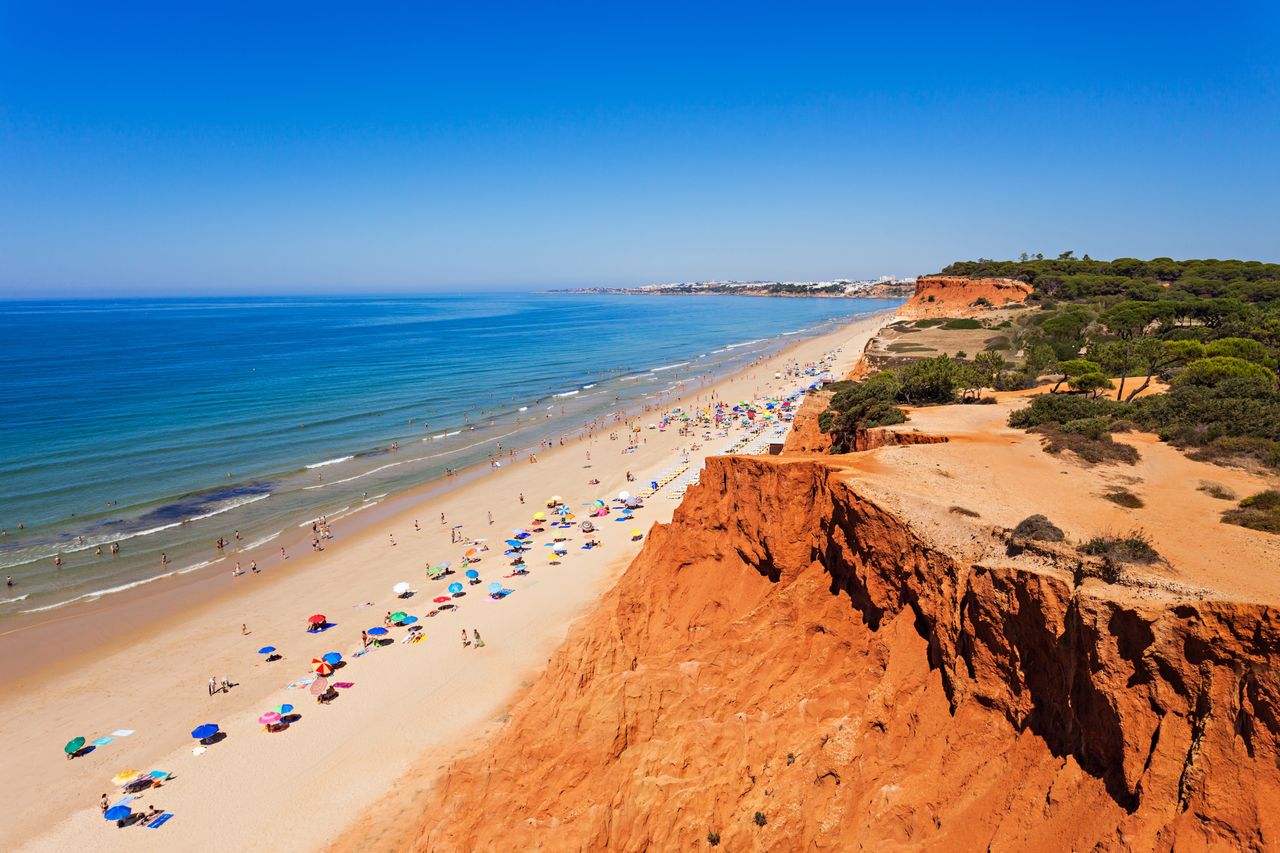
column 142, row 664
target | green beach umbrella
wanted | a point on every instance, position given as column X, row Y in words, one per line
column 396, row 617
column 74, row 745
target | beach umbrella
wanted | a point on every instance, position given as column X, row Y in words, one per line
column 409, row 620
column 455, row 587
column 270, row 718
column 202, row 732
column 267, row 650
column 283, row 709
column 515, row 543
column 495, row 587
column 636, row 533
column 321, row 667
column 398, row 615
column 376, row 631
column 400, row 588
column 317, row 619
column 539, row 516
column 124, row 777
column 117, row 813
column 440, row 599
column 74, row 745
column 331, row 658
column 442, row 566
column 473, row 574
column 622, row 496
column 472, row 553
column 319, row 687
column 560, row 549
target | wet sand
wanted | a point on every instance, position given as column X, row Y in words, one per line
column 143, row 662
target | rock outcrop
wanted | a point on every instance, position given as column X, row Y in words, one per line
column 957, row 296
column 788, row 666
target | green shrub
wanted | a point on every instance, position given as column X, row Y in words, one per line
column 1257, row 512
column 928, row 323
column 962, row 323
column 1061, row 408
column 1219, row 368
column 1095, row 428
column 929, row 380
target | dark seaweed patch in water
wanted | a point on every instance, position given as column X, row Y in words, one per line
column 185, row 508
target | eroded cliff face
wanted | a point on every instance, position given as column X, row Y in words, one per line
column 954, row 296
column 787, row 665
column 805, row 436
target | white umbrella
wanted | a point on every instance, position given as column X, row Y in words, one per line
column 400, row 588
column 622, row 496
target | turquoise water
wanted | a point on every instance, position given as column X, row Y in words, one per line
column 163, row 425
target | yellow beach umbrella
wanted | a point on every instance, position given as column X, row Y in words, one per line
column 124, row 777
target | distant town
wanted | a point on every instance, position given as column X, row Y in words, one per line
column 886, row 286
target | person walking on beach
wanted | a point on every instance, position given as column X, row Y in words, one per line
column 522, row 497
column 392, row 537
column 479, row 642
column 213, row 685
column 466, row 640
column 491, row 517
column 364, row 639
column 57, row 561
column 442, row 521
column 253, row 566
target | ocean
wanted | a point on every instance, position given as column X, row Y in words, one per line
column 163, row 425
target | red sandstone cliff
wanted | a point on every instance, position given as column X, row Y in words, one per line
column 954, row 296
column 790, row 648
column 805, row 436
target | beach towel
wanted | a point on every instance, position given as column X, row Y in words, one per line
column 161, row 775
column 122, row 732
column 160, row 821
column 302, row 682
column 344, row 684
column 103, row 741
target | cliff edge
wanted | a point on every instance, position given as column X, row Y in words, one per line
column 791, row 664
column 957, row 296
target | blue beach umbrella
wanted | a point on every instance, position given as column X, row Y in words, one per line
column 267, row 650
column 408, row 620
column 202, row 732
column 331, row 658
column 473, row 574
column 455, row 587
column 376, row 631
column 495, row 587
column 117, row 813
column 514, row 543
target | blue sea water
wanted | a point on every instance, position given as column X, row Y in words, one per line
column 163, row 425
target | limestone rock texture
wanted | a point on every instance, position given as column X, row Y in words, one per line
column 788, row 665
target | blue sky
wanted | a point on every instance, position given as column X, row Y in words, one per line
column 271, row 147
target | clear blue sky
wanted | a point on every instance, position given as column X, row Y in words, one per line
column 177, row 147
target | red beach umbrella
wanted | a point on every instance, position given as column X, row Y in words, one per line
column 317, row 619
